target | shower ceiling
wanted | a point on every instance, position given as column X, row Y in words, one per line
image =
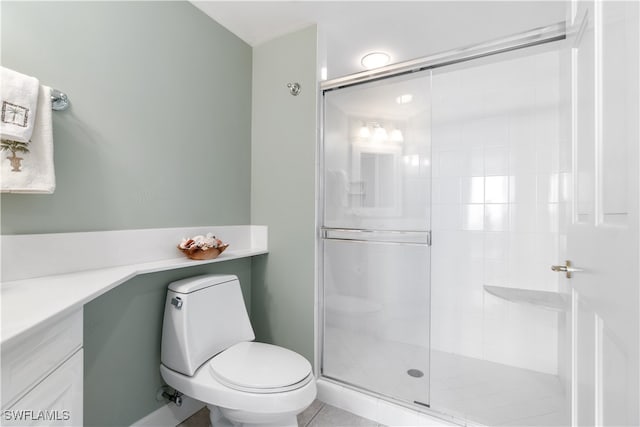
column 406, row 30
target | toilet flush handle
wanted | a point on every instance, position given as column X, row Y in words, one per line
column 177, row 302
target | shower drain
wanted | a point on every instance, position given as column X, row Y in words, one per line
column 416, row 373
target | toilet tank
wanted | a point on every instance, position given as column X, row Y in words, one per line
column 203, row 316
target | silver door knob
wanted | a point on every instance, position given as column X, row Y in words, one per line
column 566, row 268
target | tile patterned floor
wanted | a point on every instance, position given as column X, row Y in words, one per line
column 317, row 415
column 320, row 414
column 199, row 419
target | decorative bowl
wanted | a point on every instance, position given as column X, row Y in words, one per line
column 199, row 254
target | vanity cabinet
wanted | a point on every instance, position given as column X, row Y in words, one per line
column 42, row 375
column 43, row 292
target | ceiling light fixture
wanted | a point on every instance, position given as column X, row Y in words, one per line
column 375, row 60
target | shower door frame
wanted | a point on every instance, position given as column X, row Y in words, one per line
column 534, row 37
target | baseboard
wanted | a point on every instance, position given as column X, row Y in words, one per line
column 170, row 415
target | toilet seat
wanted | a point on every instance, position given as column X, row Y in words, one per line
column 255, row 367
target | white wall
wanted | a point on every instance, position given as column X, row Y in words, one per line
column 495, row 208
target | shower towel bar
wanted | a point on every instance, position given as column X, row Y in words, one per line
column 380, row 236
column 59, row 100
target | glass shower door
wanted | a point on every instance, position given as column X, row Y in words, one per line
column 501, row 320
column 376, row 237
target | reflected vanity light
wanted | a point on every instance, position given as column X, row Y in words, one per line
column 364, row 131
column 380, row 133
column 396, row 136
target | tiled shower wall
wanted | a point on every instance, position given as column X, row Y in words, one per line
column 495, row 208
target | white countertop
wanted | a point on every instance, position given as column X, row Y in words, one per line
column 28, row 304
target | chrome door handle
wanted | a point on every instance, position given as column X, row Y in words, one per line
column 566, row 268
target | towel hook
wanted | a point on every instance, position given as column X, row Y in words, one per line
column 294, row 88
column 59, row 100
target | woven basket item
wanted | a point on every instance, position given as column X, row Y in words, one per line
column 199, row 254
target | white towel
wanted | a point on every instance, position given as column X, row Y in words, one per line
column 19, row 97
column 28, row 167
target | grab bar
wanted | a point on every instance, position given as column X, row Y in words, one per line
column 387, row 236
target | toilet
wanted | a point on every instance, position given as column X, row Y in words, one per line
column 208, row 354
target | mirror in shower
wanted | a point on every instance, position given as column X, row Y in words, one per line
column 376, row 185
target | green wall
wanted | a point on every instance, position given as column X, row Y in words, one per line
column 158, row 135
column 122, row 337
column 283, row 189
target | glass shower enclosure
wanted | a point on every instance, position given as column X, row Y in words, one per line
column 376, row 237
column 466, row 155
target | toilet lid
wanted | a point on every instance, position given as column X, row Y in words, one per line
column 260, row 368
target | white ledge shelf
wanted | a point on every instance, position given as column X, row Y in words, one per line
column 55, row 286
column 543, row 299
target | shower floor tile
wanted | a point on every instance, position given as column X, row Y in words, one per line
column 360, row 359
column 495, row 394
column 470, row 389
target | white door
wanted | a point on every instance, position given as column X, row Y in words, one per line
column 602, row 214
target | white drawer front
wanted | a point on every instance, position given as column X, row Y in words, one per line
column 56, row 401
column 29, row 360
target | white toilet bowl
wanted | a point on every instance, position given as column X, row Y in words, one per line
column 246, row 383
